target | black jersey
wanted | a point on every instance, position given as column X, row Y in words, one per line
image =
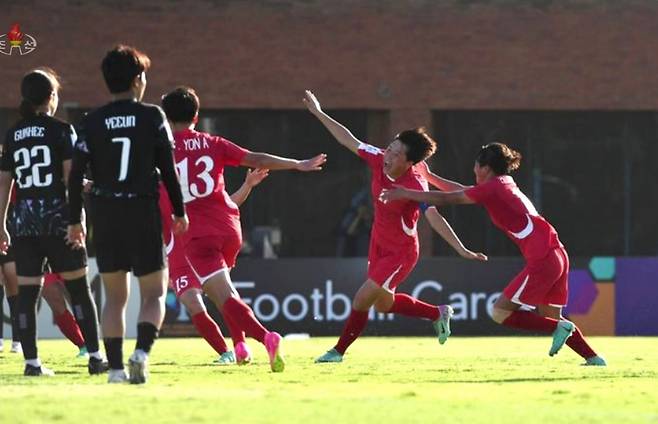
column 34, row 152
column 124, row 143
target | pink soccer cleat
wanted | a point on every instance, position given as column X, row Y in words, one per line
column 242, row 353
column 273, row 346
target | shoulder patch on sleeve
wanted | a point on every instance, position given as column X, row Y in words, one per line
column 369, row 148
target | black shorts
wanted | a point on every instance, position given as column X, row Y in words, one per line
column 127, row 235
column 32, row 252
column 7, row 257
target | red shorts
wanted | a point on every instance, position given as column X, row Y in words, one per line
column 212, row 254
column 542, row 282
column 181, row 276
column 52, row 278
column 390, row 267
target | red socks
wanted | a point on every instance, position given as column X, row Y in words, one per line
column 237, row 335
column 244, row 317
column 354, row 325
column 208, row 328
column 578, row 344
column 69, row 327
column 530, row 321
column 412, row 307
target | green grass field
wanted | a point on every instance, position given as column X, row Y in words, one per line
column 382, row 380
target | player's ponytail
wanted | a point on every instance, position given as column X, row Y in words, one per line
column 36, row 88
column 27, row 109
column 500, row 158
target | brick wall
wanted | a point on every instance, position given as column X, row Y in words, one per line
column 405, row 58
column 402, row 54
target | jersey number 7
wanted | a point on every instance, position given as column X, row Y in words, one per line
column 125, row 156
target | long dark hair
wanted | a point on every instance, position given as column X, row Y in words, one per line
column 500, row 158
column 36, row 88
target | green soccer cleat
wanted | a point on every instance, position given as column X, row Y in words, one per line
column 595, row 361
column 83, row 353
column 330, row 356
column 563, row 331
column 442, row 325
column 226, row 358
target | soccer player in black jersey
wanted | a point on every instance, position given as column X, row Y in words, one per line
column 37, row 157
column 124, row 144
column 9, row 287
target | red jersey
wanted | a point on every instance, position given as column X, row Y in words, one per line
column 200, row 160
column 511, row 211
column 395, row 222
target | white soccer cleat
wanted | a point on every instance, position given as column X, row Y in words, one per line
column 16, row 347
column 2, row 345
column 117, row 376
column 137, row 367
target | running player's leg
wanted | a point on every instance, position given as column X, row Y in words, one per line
column 404, row 304
column 385, row 272
column 188, row 290
column 192, row 299
column 392, row 268
column 113, row 322
column 365, row 297
column 11, row 291
column 509, row 314
column 211, row 258
column 554, row 300
column 576, row 341
column 529, row 287
column 52, row 294
column 221, row 291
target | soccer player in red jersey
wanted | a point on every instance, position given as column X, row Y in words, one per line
column 543, row 283
column 53, row 294
column 214, row 237
column 186, row 285
column 393, row 249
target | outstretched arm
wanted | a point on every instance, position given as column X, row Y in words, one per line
column 437, row 198
column 252, row 179
column 443, row 228
column 340, row 133
column 272, row 162
column 435, row 180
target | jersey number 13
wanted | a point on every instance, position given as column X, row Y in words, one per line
column 193, row 191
